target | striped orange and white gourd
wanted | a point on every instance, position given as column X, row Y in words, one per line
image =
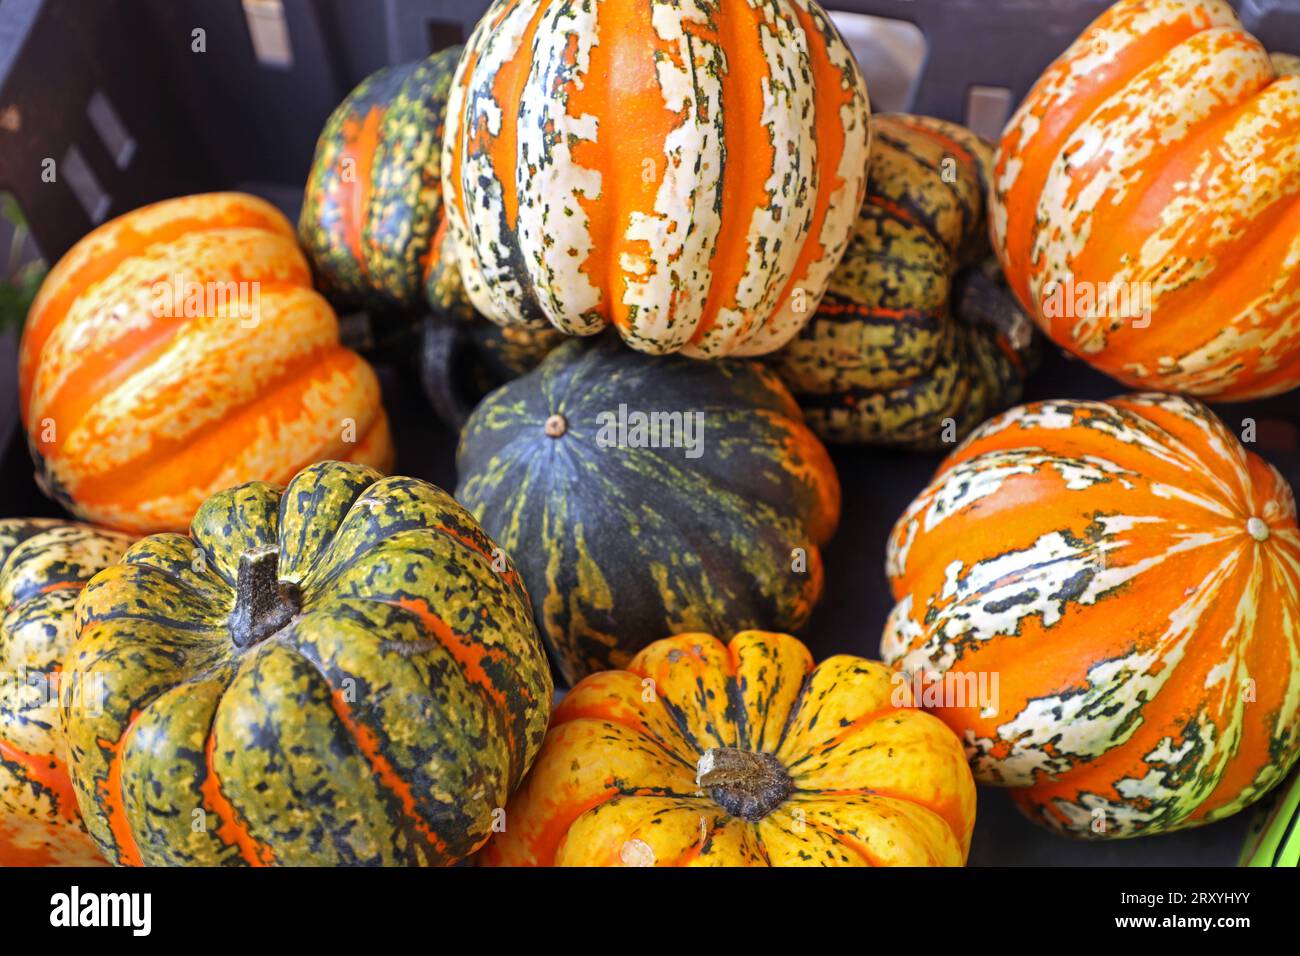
column 180, row 349
column 1122, row 579
column 688, row 173
column 1146, row 202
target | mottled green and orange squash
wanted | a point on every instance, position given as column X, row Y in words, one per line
column 180, row 349
column 916, row 340
column 743, row 754
column 1146, row 202
column 341, row 672
column 686, row 173
column 1131, row 575
column 373, row 204
column 44, row 564
column 711, row 516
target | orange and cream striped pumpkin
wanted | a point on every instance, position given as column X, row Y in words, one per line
column 1122, row 579
column 180, row 349
column 687, row 173
column 1145, row 202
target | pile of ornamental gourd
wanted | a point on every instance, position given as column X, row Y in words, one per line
column 696, row 256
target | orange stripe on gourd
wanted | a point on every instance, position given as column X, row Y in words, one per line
column 210, row 455
column 370, row 743
column 749, row 155
column 48, row 772
column 831, row 98
column 1072, row 97
column 108, row 792
column 134, row 382
column 361, row 142
column 233, row 830
column 622, row 81
column 97, row 255
column 74, row 373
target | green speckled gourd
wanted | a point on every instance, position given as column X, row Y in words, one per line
column 341, row 672
column 44, row 563
column 373, row 205
column 620, row 542
column 916, row 327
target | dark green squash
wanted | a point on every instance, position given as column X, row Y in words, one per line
column 622, row 545
column 344, row 671
column 373, row 204
column 917, row 339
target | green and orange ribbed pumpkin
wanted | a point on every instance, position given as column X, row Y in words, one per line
column 1145, row 202
column 742, row 754
column 1130, row 575
column 180, row 349
column 913, row 343
column 372, row 210
column 625, row 534
column 341, row 672
column 44, row 564
column 687, row 174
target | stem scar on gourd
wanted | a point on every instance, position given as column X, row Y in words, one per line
column 556, row 425
column 747, row 785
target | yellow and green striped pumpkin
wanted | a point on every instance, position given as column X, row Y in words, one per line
column 916, row 340
column 686, row 173
column 373, row 205
column 44, row 564
column 341, row 672
column 702, row 753
column 620, row 545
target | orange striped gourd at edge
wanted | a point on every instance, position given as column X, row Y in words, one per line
column 1161, row 153
column 688, row 173
column 144, row 387
column 1130, row 575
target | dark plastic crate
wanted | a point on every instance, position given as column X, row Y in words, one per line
column 190, row 122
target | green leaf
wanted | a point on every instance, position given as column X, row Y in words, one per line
column 16, row 295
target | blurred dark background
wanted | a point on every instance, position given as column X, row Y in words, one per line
column 139, row 100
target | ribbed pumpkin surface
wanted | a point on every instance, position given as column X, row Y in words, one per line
column 1131, row 574
column 618, row 544
column 139, row 402
column 688, row 174
column 705, row 754
column 344, row 671
column 43, row 566
column 899, row 344
column 1161, row 149
column 374, row 194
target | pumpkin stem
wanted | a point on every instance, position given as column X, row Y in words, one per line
column 263, row 603
column 747, row 785
column 555, row 426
